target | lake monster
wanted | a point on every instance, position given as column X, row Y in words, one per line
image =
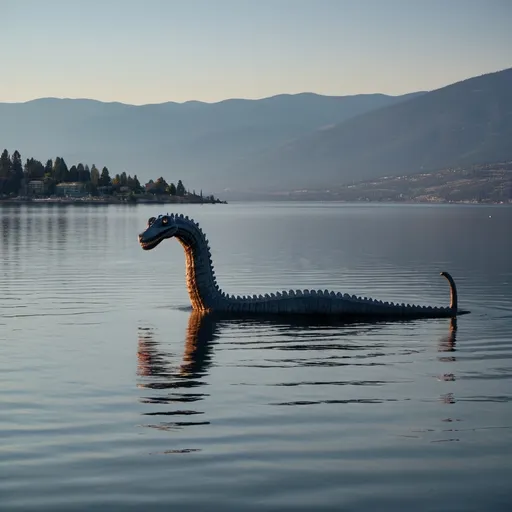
column 206, row 295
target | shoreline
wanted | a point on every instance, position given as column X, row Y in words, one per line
column 100, row 201
column 112, row 201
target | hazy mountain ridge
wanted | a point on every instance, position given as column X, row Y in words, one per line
column 283, row 142
column 194, row 141
column 466, row 123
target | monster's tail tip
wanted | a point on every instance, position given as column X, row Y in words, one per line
column 453, row 291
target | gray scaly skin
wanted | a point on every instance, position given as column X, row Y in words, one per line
column 206, row 295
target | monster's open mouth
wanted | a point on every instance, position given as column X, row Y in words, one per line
column 147, row 245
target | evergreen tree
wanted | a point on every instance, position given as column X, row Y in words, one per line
column 16, row 164
column 180, row 189
column 38, row 170
column 95, row 176
column 33, row 170
column 172, row 189
column 16, row 174
column 27, row 169
column 80, row 169
column 48, row 168
column 5, row 169
column 60, row 170
column 73, row 173
column 105, row 177
column 56, row 169
column 5, row 164
column 136, row 184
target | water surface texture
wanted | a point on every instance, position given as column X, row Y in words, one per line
column 115, row 396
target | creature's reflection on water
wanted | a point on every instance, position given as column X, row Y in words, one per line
column 179, row 380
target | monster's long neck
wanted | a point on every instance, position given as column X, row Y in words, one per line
column 201, row 283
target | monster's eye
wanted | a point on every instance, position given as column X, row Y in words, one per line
column 151, row 220
column 165, row 221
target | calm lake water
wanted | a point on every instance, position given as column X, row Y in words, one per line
column 114, row 396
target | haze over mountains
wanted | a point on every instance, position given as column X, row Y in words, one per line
column 199, row 143
column 282, row 142
column 466, row 123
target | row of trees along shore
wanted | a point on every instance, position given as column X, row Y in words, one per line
column 15, row 176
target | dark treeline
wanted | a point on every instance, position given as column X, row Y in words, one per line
column 15, row 177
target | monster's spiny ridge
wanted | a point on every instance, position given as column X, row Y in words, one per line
column 206, row 295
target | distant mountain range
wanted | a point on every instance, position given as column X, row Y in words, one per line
column 284, row 142
column 466, row 123
column 205, row 145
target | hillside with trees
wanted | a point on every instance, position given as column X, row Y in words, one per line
column 37, row 180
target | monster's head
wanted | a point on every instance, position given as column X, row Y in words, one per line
column 158, row 229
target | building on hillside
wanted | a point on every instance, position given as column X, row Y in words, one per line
column 36, row 188
column 71, row 189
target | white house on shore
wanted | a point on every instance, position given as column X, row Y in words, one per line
column 71, row 189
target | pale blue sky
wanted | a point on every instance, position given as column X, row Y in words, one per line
column 153, row 51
